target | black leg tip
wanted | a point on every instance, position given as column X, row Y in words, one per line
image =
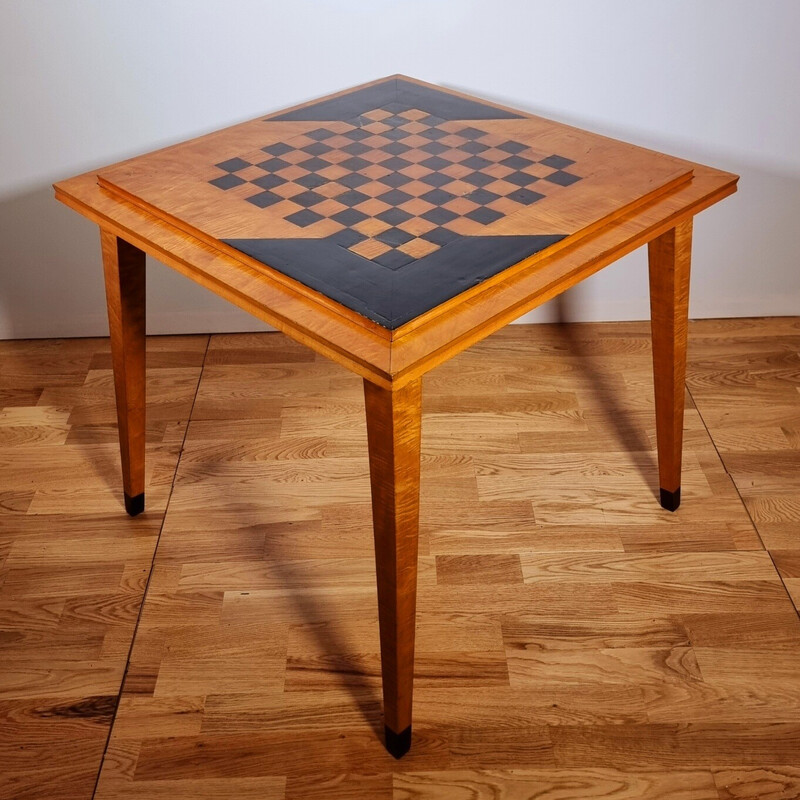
column 134, row 505
column 671, row 500
column 398, row 744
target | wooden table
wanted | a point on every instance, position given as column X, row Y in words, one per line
column 389, row 227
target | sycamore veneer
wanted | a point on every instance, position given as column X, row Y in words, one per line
column 161, row 204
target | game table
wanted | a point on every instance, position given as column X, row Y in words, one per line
column 389, row 227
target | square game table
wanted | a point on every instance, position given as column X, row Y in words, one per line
column 389, row 227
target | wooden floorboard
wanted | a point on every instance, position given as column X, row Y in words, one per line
column 574, row 639
column 73, row 566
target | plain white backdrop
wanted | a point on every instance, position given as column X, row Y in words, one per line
column 84, row 83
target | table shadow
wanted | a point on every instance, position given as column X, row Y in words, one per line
column 628, row 433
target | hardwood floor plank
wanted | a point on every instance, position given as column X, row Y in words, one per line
column 74, row 565
column 677, row 744
column 573, row 639
column 555, row 784
column 758, row 783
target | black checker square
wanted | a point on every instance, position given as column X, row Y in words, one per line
column 395, row 134
column 562, row 178
column 436, row 163
column 352, row 198
column 521, row 178
column 269, row 181
column 470, row 147
column 479, row 179
column 394, row 197
column 440, row 179
column 557, row 162
column 350, row 216
column 516, row 162
column 394, row 236
column 484, row 215
column 395, row 148
column 397, row 179
column 317, row 149
column 394, row 259
column 525, row 196
column 347, row 237
column 512, row 147
column 354, row 164
column 357, row 134
column 274, row 164
column 440, row 236
column 353, row 180
column 307, row 199
column 471, row 133
column 435, row 148
column 434, row 133
column 320, row 134
column 396, row 163
column 264, row 199
column 394, row 216
column 304, row 218
column 484, row 196
column 438, row 197
column 229, row 181
column 439, row 216
column 408, row 150
column 476, row 162
column 310, row 181
column 233, row 164
column 395, row 121
column 278, row 149
column 313, row 164
column 356, row 148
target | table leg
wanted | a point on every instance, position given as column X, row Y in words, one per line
column 393, row 430
column 124, row 268
column 670, row 259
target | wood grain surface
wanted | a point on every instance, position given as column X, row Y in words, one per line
column 670, row 257
column 175, row 182
column 384, row 357
column 73, row 565
column 125, row 279
column 611, row 218
column 574, row 640
column 394, row 422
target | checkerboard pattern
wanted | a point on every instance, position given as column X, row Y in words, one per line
column 395, row 183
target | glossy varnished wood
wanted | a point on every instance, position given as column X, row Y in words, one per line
column 390, row 358
column 630, row 197
column 670, row 261
column 124, row 269
column 393, row 429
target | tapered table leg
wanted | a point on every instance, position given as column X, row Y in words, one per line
column 670, row 260
column 124, row 268
column 393, row 430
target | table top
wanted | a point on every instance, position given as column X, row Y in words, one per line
column 393, row 198
column 352, row 308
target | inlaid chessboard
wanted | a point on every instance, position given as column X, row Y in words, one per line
column 394, row 197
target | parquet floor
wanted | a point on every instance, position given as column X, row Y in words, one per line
column 574, row 640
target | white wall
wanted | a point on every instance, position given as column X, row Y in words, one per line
column 87, row 82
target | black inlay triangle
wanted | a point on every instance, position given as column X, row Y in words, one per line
column 404, row 93
column 392, row 297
